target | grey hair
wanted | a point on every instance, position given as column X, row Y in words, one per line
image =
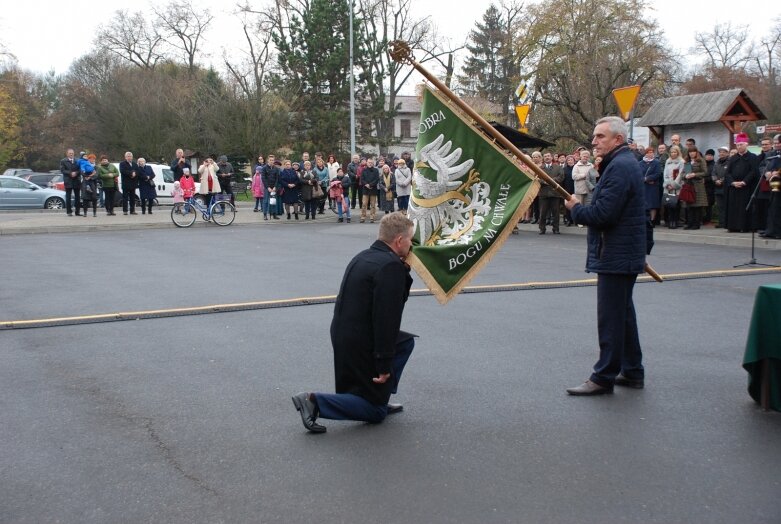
column 777, row 138
column 616, row 125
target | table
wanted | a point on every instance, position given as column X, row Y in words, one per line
column 762, row 359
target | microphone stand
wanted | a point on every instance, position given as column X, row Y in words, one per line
column 750, row 207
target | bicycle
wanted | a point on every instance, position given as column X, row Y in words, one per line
column 219, row 210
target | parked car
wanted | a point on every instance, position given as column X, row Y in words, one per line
column 17, row 193
column 45, row 180
column 164, row 180
column 17, row 171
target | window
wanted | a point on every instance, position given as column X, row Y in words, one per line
column 405, row 128
column 168, row 176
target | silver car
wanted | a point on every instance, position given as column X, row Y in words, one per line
column 16, row 193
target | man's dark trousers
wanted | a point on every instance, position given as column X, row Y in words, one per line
column 549, row 205
column 76, row 202
column 619, row 344
column 346, row 406
column 128, row 197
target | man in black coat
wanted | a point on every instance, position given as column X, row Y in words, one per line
column 129, row 171
column 549, row 198
column 370, row 351
column 370, row 177
column 178, row 165
column 72, row 181
column 617, row 242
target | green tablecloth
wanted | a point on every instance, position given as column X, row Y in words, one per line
column 764, row 342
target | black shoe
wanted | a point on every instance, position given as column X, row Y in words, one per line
column 275, row 217
column 133, row 213
column 621, row 380
column 340, row 220
column 296, row 215
column 308, row 411
column 534, row 221
column 78, row 214
column 124, row 212
column 589, row 389
column 556, row 232
column 394, row 408
column 541, row 232
column 288, row 216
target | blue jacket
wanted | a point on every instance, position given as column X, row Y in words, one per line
column 616, row 217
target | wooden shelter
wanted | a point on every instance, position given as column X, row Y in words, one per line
column 711, row 118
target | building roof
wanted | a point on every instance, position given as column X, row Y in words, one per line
column 699, row 108
column 520, row 139
column 407, row 104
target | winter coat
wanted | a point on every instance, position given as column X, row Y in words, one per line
column 366, row 322
column 258, row 190
column 308, row 182
column 178, row 168
column 322, row 176
column 700, row 170
column 672, row 181
column 187, row 184
column 616, row 217
column 108, row 175
column 652, row 176
column 270, row 178
column 67, row 167
column 289, row 194
column 332, row 169
column 146, row 182
column 580, row 177
column 209, row 181
column 129, row 172
column 370, row 176
column 89, row 186
column 403, row 181
column 719, row 174
column 335, row 190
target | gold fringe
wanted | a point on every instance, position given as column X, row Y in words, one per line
column 440, row 294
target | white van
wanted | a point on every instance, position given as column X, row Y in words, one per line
column 164, row 179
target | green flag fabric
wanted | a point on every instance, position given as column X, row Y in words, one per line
column 468, row 194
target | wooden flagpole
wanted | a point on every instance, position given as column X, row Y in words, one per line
column 401, row 52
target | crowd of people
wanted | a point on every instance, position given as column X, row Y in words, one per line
column 285, row 187
column 728, row 188
column 683, row 187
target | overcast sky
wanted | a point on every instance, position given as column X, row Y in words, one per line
column 38, row 33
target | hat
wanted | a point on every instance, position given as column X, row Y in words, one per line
column 82, row 153
column 710, row 152
column 741, row 138
column 186, row 171
column 724, row 148
column 258, row 169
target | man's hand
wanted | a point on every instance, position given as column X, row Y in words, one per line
column 382, row 379
column 571, row 202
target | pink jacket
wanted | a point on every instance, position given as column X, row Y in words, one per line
column 257, row 186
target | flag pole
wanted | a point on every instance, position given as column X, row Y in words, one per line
column 401, row 52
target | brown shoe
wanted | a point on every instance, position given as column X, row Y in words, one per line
column 588, row 389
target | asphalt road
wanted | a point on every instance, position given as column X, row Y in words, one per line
column 189, row 419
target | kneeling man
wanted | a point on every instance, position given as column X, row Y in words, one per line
column 370, row 350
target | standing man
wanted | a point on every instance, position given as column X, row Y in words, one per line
column 370, row 177
column 72, row 180
column 352, row 172
column 225, row 175
column 178, row 165
column 129, row 171
column 616, row 223
column 719, row 174
column 549, row 198
column 741, row 177
column 370, row 350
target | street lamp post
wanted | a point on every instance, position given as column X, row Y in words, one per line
column 352, row 86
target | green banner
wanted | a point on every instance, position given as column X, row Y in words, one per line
column 467, row 196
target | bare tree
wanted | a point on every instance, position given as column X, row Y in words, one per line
column 184, row 27
column 131, row 37
column 725, row 46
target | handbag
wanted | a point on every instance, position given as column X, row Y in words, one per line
column 687, row 194
column 317, row 192
column 670, row 200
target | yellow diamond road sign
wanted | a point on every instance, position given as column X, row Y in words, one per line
column 625, row 98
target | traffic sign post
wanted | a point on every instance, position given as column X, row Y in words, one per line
column 625, row 99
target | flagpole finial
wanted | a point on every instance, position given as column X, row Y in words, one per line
column 400, row 52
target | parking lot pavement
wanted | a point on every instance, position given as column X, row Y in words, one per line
column 45, row 221
column 189, row 419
